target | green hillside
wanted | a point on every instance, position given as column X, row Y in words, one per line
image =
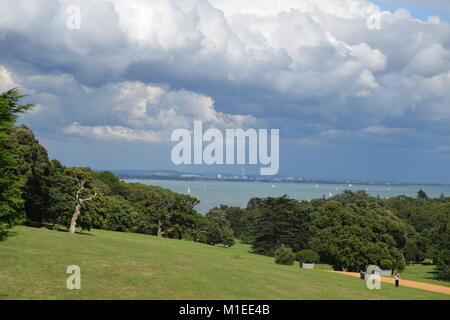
column 133, row 266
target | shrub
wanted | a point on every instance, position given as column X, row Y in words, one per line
column 214, row 234
column 284, row 255
column 386, row 264
column 443, row 265
column 307, row 256
column 398, row 261
column 443, row 271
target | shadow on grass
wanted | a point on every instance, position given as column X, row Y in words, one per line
column 52, row 227
column 432, row 274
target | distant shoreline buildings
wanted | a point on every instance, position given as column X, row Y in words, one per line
column 182, row 176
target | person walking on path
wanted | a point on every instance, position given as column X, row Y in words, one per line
column 397, row 279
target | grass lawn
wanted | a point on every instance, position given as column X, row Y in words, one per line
column 417, row 272
column 422, row 273
column 132, row 266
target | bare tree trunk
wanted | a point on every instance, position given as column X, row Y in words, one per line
column 160, row 232
column 73, row 221
column 164, row 206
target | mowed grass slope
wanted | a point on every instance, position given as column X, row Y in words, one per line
column 422, row 273
column 132, row 266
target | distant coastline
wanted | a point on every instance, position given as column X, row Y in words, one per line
column 213, row 193
column 221, row 177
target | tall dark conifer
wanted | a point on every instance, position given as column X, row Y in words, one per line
column 11, row 186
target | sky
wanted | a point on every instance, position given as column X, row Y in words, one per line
column 356, row 93
column 420, row 9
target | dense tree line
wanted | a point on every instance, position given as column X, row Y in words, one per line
column 349, row 231
column 429, row 220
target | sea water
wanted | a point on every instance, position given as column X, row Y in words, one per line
column 236, row 193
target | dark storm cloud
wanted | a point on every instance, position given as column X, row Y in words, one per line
column 137, row 69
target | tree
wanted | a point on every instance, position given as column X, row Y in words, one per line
column 284, row 255
column 11, row 185
column 280, row 221
column 398, row 259
column 69, row 190
column 442, row 252
column 442, row 259
column 167, row 213
column 113, row 213
column 386, row 264
column 217, row 228
column 34, row 168
column 219, row 217
column 412, row 251
column 349, row 235
column 234, row 216
column 164, row 212
column 421, row 194
column 62, row 190
column 430, row 221
column 215, row 234
column 307, row 256
column 254, row 203
column 80, row 201
column 109, row 184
